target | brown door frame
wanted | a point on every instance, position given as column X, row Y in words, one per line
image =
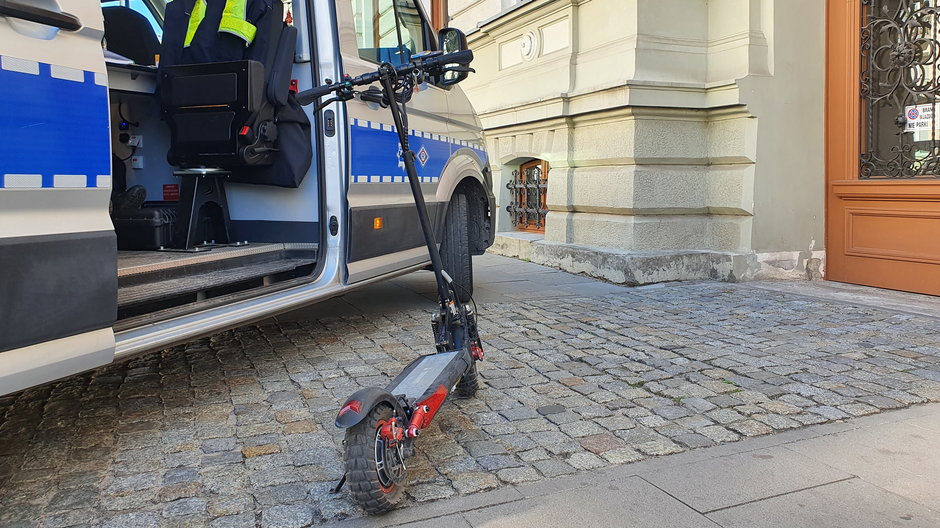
column 843, row 41
column 439, row 15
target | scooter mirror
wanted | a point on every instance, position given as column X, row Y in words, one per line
column 451, row 40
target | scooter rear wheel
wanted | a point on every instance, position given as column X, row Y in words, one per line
column 374, row 470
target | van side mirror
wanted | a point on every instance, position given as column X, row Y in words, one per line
column 451, row 40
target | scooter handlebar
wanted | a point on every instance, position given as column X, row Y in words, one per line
column 308, row 96
column 463, row 58
column 433, row 65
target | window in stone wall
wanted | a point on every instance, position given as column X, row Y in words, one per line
column 529, row 186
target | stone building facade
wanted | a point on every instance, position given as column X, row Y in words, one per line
column 683, row 138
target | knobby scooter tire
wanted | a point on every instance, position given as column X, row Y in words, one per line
column 455, row 246
column 469, row 384
column 362, row 473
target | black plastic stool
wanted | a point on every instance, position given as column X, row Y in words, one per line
column 200, row 187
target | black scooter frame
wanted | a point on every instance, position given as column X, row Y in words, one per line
column 423, row 386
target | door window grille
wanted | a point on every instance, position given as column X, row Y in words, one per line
column 900, row 51
column 529, row 186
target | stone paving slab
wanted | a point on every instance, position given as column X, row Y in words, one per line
column 846, row 504
column 450, row 521
column 236, row 429
column 721, row 482
column 909, row 466
column 634, row 502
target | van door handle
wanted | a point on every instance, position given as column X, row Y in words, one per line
column 64, row 21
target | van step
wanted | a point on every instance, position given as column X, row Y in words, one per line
column 155, row 291
column 148, row 277
column 140, row 267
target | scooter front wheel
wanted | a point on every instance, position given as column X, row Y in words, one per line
column 375, row 469
column 469, row 384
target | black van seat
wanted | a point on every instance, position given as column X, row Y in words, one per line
column 217, row 114
column 226, row 117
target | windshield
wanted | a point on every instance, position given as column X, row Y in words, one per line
column 153, row 10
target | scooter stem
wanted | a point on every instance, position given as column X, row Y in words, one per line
column 443, row 292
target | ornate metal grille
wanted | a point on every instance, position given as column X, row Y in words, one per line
column 899, row 83
column 529, row 188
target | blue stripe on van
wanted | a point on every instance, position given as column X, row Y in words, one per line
column 376, row 157
column 53, row 129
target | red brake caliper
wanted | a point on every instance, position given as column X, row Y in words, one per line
column 390, row 432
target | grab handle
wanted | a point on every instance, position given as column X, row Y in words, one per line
column 63, row 21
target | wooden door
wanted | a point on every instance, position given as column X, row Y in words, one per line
column 883, row 144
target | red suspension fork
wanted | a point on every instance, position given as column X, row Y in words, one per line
column 419, row 420
column 425, row 411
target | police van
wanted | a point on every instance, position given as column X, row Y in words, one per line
column 159, row 180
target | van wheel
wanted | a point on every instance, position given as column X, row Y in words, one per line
column 455, row 247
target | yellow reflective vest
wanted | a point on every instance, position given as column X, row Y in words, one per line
column 234, row 21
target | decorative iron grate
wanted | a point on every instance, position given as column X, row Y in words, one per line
column 529, row 186
column 900, row 52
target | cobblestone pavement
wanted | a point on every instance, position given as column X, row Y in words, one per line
column 236, row 429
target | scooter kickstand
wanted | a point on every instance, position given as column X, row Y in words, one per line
column 339, row 485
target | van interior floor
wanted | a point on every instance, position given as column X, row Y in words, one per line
column 149, row 281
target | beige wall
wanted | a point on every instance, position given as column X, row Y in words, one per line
column 667, row 125
column 789, row 187
column 467, row 14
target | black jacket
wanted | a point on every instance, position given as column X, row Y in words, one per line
column 208, row 44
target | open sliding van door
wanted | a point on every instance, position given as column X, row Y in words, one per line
column 385, row 235
column 58, row 258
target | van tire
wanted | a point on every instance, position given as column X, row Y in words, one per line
column 455, row 247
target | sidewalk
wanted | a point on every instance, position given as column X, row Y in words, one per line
column 876, row 471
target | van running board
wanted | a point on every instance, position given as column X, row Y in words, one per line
column 142, row 266
column 151, row 277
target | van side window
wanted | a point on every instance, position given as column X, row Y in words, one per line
column 378, row 25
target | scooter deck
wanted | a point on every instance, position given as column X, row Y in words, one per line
column 425, row 375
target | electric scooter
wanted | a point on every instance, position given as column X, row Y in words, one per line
column 382, row 424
